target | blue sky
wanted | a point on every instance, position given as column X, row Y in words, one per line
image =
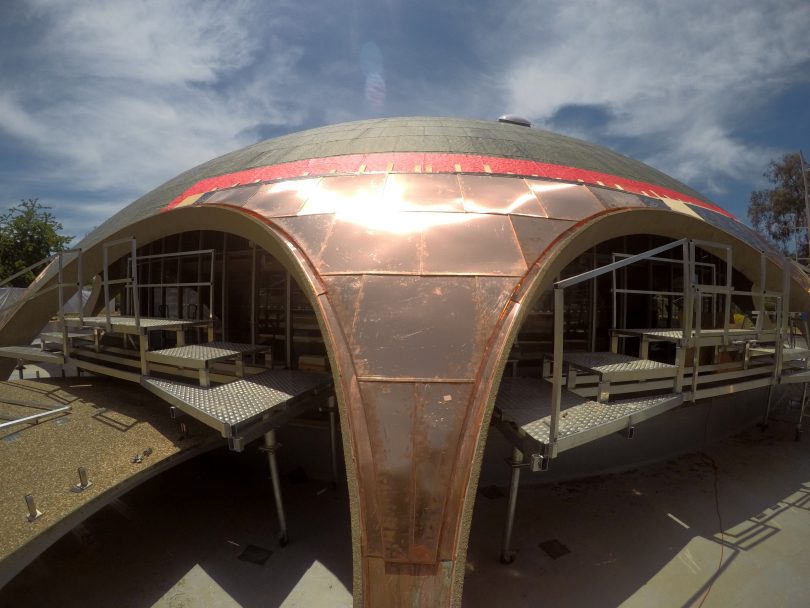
column 102, row 101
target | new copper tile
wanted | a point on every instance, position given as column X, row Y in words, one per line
column 390, row 409
column 416, row 327
column 437, row 429
column 232, row 196
column 421, row 192
column 344, row 193
column 308, row 231
column 478, row 244
column 490, row 194
column 565, row 201
column 535, row 235
column 282, row 198
column 358, row 248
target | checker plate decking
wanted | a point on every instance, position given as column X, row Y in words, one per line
column 127, row 324
column 526, row 403
column 242, row 402
column 707, row 336
column 615, row 366
column 197, row 355
column 788, row 354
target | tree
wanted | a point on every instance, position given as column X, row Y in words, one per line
column 779, row 213
column 29, row 232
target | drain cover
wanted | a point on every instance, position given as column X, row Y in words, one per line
column 255, row 555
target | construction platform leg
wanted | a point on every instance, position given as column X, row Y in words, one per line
column 271, row 445
column 507, row 555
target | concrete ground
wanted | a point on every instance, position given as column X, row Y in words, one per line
column 203, row 534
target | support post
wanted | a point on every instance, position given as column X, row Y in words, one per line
column 801, row 413
column 507, row 555
column 556, row 386
column 271, row 445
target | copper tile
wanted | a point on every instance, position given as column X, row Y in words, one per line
column 344, row 193
column 356, row 248
column 480, row 244
column 420, row 192
column 565, row 201
column 416, row 327
column 493, row 294
column 485, row 194
column 308, row 231
column 536, row 234
column 616, row 199
column 344, row 294
column 232, row 196
column 442, row 409
column 390, row 408
column 282, row 198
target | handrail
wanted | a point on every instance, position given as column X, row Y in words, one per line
column 691, row 292
column 597, row 272
column 27, row 269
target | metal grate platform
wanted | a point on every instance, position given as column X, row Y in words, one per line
column 126, row 325
column 617, row 367
column 707, row 337
column 197, row 356
column 31, row 353
column 788, row 354
column 525, row 405
column 230, row 407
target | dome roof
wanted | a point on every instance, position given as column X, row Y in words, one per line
column 435, row 136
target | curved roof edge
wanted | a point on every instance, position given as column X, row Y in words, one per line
column 415, row 135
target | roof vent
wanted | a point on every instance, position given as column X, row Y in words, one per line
column 513, row 119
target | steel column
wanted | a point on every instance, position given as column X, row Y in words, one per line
column 507, row 555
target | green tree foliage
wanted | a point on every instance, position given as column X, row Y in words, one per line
column 29, row 232
column 778, row 213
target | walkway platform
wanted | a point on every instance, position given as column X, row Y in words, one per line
column 788, row 354
column 706, row 337
column 523, row 414
column 247, row 408
column 201, row 356
column 127, row 325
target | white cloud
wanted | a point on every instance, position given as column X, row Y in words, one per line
column 131, row 93
column 682, row 73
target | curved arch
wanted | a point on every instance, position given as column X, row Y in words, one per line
column 541, row 274
column 275, row 241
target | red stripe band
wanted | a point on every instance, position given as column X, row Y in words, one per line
column 410, row 162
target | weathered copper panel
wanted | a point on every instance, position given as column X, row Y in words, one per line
column 390, row 411
column 489, row 194
column 492, row 294
column 417, row 327
column 423, row 192
column 345, row 193
column 344, row 294
column 440, row 417
column 232, row 196
column 565, row 201
column 535, row 234
column 357, row 248
column 282, row 198
column 616, row 199
column 479, row 244
column 309, row 232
